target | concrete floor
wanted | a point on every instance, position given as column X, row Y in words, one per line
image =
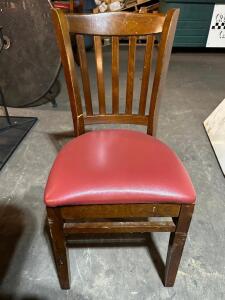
column 195, row 86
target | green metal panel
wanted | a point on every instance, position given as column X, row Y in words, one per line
column 194, row 21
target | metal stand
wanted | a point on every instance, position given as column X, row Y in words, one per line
column 12, row 131
column 5, row 109
column 10, row 123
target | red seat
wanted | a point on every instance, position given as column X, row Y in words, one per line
column 117, row 166
column 61, row 4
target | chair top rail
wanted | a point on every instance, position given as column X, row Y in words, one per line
column 116, row 24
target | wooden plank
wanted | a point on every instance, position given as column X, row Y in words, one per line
column 119, row 119
column 56, row 235
column 146, row 74
column 165, row 47
column 130, row 74
column 114, row 239
column 177, row 242
column 64, row 42
column 116, row 227
column 100, row 74
column 119, row 211
column 84, row 73
column 116, row 23
column 115, row 75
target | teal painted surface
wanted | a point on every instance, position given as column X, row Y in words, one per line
column 194, row 21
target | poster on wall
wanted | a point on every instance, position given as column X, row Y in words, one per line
column 216, row 36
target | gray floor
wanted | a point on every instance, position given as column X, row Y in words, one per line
column 195, row 86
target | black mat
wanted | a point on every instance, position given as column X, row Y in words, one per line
column 11, row 136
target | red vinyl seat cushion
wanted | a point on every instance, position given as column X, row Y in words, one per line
column 117, row 166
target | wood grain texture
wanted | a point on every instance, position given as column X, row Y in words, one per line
column 100, row 73
column 55, row 224
column 146, row 74
column 113, row 239
column 118, row 119
column 64, row 42
column 84, row 73
column 115, row 75
column 130, row 74
column 119, row 211
column 118, row 227
column 176, row 244
column 116, row 23
column 165, row 47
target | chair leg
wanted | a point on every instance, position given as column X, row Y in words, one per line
column 176, row 244
column 55, row 224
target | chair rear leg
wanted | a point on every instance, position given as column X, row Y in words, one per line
column 55, row 224
column 176, row 244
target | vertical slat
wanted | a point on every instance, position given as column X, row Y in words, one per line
column 146, row 74
column 115, row 75
column 100, row 74
column 84, row 73
column 130, row 74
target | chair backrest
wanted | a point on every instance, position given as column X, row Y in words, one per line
column 115, row 25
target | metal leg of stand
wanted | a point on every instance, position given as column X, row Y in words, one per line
column 5, row 107
column 7, row 116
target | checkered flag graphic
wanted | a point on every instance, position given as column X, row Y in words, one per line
column 218, row 25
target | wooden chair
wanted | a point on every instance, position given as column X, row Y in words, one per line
column 107, row 181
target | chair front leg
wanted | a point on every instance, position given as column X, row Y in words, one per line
column 176, row 244
column 55, row 224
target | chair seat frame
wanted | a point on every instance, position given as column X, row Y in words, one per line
column 68, row 221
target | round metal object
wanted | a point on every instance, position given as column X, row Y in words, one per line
column 29, row 59
column 6, row 42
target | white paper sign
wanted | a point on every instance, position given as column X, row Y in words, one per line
column 215, row 128
column 216, row 37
